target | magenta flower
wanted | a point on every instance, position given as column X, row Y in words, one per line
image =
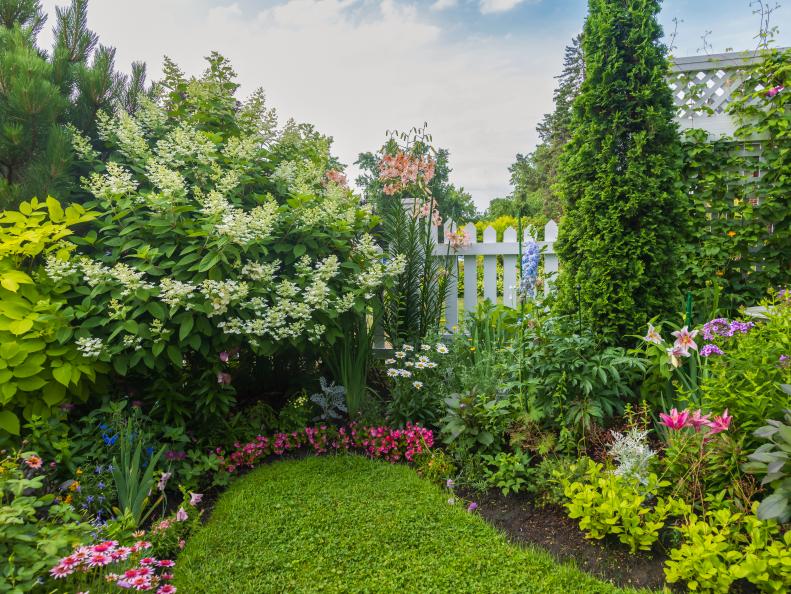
column 698, row 420
column 224, row 356
column 721, row 423
column 774, row 91
column 472, row 507
column 674, row 420
column 685, row 339
column 224, row 378
column 181, row 515
column 195, row 499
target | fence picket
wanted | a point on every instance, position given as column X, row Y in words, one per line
column 452, row 297
column 550, row 257
column 471, row 272
column 490, row 267
column 509, row 270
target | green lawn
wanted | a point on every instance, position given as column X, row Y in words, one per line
column 349, row 524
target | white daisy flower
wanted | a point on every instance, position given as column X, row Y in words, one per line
column 441, row 348
column 390, row 361
column 425, row 347
column 408, row 348
column 404, row 373
column 417, row 385
column 392, row 372
column 399, row 354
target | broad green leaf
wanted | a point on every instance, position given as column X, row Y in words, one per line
column 62, row 374
column 9, row 422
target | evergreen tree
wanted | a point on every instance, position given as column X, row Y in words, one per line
column 619, row 176
column 39, row 93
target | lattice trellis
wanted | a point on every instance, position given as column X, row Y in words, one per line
column 702, row 88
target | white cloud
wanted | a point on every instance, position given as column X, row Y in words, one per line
column 444, row 4
column 490, row 6
column 357, row 68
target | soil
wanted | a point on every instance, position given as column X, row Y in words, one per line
column 549, row 528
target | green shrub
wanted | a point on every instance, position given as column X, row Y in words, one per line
column 508, row 471
column 35, row 531
column 606, row 503
column 220, row 240
column 41, row 366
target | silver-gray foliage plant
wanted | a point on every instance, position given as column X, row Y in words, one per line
column 331, row 400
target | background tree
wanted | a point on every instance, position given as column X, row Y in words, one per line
column 40, row 93
column 619, row 176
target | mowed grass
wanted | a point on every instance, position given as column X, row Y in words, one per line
column 350, row 524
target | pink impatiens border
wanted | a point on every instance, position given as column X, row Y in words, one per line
column 387, row 443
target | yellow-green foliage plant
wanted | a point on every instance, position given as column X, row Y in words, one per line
column 40, row 365
column 607, row 503
column 724, row 546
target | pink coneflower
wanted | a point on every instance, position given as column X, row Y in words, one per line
column 140, row 582
column 146, row 561
column 167, row 563
column 121, row 553
column 130, row 573
column 60, row 571
column 33, row 461
column 166, row 577
column 70, row 561
column 145, row 571
column 102, row 547
column 167, row 589
column 99, row 560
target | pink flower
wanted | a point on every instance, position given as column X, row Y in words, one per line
column 224, row 356
column 652, row 335
column 472, row 507
column 675, row 353
column 182, row 544
column 166, row 589
column 167, row 563
column 459, row 239
column 99, row 560
column 163, row 481
column 698, row 420
column 70, row 561
column 685, row 339
column 60, row 571
column 146, row 561
column 224, row 378
column 33, row 461
column 720, row 424
column 195, row 499
column 181, row 515
column 774, row 91
column 674, row 420
column 140, row 582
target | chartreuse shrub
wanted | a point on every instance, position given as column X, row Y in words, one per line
column 609, row 503
column 619, row 175
column 724, row 546
column 348, row 524
column 219, row 240
column 40, row 364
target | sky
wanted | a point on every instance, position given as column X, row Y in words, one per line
column 479, row 72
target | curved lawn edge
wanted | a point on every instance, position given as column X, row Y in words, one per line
column 350, row 524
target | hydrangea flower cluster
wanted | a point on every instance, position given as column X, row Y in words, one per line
column 387, row 443
column 136, row 572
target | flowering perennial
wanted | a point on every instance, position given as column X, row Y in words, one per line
column 400, row 170
column 676, row 421
column 387, row 443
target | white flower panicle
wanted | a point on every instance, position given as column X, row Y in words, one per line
column 169, row 182
column 58, row 269
column 125, row 133
column 116, row 183
column 130, row 279
column 221, row 294
column 82, row 145
column 175, row 293
column 261, row 271
column 90, row 347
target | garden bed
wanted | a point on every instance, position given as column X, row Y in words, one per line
column 551, row 529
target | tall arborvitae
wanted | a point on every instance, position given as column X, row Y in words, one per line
column 619, row 176
column 40, row 93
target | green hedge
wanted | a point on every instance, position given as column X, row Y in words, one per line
column 349, row 524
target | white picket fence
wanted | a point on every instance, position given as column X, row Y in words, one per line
column 490, row 249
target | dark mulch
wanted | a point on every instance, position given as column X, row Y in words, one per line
column 549, row 528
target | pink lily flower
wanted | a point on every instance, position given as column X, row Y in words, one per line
column 698, row 420
column 652, row 335
column 675, row 420
column 721, row 423
column 685, row 339
column 675, row 353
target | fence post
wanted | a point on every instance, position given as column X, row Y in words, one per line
column 550, row 256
